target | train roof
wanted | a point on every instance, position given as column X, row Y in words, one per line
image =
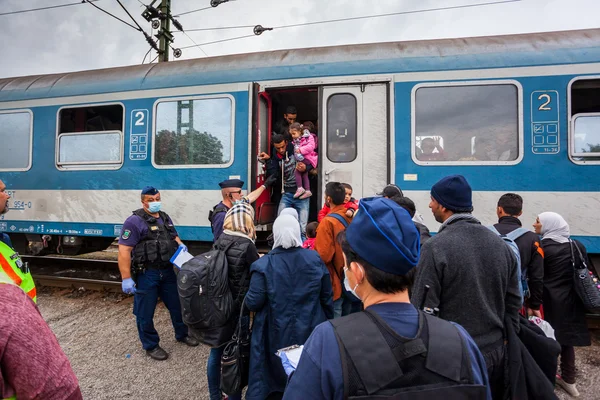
column 547, row 48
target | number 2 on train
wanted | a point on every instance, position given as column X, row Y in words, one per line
column 544, row 106
column 140, row 117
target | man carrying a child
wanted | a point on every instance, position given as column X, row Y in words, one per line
column 283, row 165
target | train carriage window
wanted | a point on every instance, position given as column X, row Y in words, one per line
column 15, row 136
column 584, row 135
column 341, row 128
column 467, row 124
column 90, row 137
column 194, row 133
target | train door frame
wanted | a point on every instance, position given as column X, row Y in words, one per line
column 259, row 89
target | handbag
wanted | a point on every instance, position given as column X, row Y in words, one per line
column 235, row 361
column 585, row 282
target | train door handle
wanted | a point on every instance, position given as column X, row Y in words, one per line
column 327, row 174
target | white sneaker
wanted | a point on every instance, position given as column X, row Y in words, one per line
column 570, row 388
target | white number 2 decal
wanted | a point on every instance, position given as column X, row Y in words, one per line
column 544, row 107
column 140, row 117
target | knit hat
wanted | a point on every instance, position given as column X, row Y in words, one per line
column 454, row 193
column 383, row 234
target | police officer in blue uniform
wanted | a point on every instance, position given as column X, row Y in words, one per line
column 231, row 190
column 148, row 241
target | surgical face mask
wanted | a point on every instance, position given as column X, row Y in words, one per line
column 347, row 284
column 154, row 206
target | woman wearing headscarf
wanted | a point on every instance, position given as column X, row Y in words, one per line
column 563, row 308
column 290, row 291
column 237, row 241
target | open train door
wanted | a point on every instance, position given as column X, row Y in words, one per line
column 266, row 212
column 355, row 137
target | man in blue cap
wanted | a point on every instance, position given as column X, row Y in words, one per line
column 391, row 348
column 231, row 190
column 472, row 275
column 148, row 241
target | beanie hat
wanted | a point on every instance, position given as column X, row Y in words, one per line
column 454, row 193
column 383, row 234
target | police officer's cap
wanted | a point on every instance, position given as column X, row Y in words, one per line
column 151, row 190
column 231, row 183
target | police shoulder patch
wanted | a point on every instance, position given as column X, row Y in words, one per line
column 126, row 234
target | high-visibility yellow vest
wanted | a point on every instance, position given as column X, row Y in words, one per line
column 12, row 271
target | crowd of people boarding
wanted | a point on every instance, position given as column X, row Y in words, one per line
column 383, row 308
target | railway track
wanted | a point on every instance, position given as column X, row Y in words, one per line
column 77, row 283
column 75, row 273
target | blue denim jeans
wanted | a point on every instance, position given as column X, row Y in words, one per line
column 213, row 370
column 150, row 285
column 302, row 206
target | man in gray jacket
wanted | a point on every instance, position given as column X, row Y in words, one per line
column 472, row 275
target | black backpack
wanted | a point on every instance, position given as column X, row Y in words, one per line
column 203, row 287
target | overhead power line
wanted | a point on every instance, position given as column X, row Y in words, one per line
column 213, row 4
column 195, row 44
column 218, row 41
column 112, row 15
column 130, row 16
column 359, row 17
column 220, row 28
column 47, row 8
column 192, row 11
column 398, row 13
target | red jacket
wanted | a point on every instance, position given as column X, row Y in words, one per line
column 309, row 243
column 351, row 205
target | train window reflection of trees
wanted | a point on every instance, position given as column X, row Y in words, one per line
column 470, row 123
column 194, row 132
column 15, row 139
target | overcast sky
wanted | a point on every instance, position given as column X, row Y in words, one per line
column 81, row 37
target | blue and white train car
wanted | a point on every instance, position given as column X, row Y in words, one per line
column 516, row 113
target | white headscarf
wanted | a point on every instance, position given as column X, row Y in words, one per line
column 554, row 227
column 290, row 211
column 286, row 231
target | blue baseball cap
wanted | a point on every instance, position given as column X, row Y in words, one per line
column 151, row 190
column 383, row 234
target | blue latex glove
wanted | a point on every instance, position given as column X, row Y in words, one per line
column 287, row 365
column 128, row 286
column 183, row 247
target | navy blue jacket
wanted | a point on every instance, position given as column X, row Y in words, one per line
column 290, row 291
column 319, row 373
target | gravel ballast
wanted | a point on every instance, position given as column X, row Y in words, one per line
column 97, row 332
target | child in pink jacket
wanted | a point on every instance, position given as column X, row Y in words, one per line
column 304, row 146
